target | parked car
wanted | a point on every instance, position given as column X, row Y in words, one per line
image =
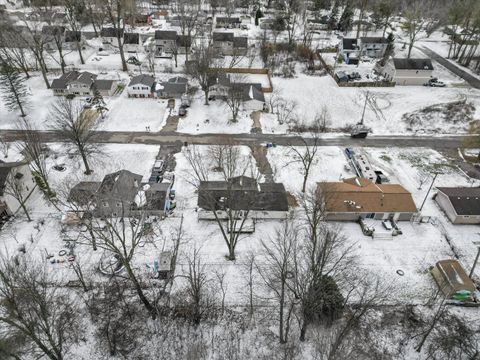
column 158, row 166
column 387, row 224
column 434, row 82
column 349, row 152
column 354, row 76
column 182, row 111
column 155, row 179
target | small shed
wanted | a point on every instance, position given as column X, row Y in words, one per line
column 452, row 280
column 165, row 264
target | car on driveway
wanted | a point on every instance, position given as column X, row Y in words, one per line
column 434, row 82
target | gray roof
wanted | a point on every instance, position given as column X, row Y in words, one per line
column 373, row 40
column 166, row 35
column 223, row 36
column 156, row 196
column 84, row 192
column 413, row 64
column 62, row 81
column 465, row 200
column 5, row 169
column 53, row 30
column 143, row 79
column 131, row 38
column 242, row 193
column 104, row 84
column 110, row 32
column 228, row 20
column 240, row 42
column 72, row 36
column 122, row 185
column 85, row 78
column 350, row 43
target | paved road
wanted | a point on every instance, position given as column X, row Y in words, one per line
column 472, row 80
column 126, row 137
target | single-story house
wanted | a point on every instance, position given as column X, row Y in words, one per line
column 245, row 196
column 82, row 84
column 408, row 71
column 173, row 88
column 357, row 197
column 460, row 204
column 16, row 174
column 109, row 37
column 122, row 193
column 165, row 41
column 131, row 42
column 141, row 86
column 227, row 44
column 452, row 280
column 227, row 22
column 350, row 49
column 373, row 47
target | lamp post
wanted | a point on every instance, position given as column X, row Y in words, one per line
column 477, row 244
column 430, row 188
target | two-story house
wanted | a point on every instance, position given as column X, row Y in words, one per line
column 82, row 84
column 142, row 86
column 165, row 41
column 227, row 44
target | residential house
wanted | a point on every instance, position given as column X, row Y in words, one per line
column 122, row 194
column 373, row 47
column 72, row 40
column 350, row 49
column 227, row 22
column 357, row 197
column 452, row 280
column 173, row 88
column 408, row 71
column 317, row 24
column 109, row 37
column 184, row 43
column 131, row 43
column 460, row 204
column 245, row 196
column 18, row 174
column 166, row 41
column 227, row 44
column 141, row 86
column 53, row 35
column 82, row 84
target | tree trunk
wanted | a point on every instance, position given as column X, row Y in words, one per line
column 303, row 330
column 410, row 47
column 44, row 72
column 281, row 310
column 139, row 290
column 206, row 96
column 80, row 53
column 88, row 171
column 122, row 55
column 24, row 208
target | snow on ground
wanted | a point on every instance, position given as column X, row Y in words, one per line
column 214, row 118
column 345, row 105
column 132, row 114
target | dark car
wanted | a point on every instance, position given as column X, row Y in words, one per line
column 182, row 111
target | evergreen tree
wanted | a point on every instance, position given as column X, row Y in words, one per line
column 97, row 99
column 346, row 20
column 332, row 20
column 14, row 90
column 389, row 49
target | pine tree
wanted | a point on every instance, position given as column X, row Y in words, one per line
column 332, row 20
column 346, row 20
column 389, row 49
column 97, row 100
column 14, row 90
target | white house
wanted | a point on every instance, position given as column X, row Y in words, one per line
column 109, row 37
column 14, row 175
column 82, row 84
column 408, row 71
column 460, row 204
column 131, row 43
column 141, row 86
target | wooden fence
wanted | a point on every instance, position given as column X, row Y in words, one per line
column 254, row 71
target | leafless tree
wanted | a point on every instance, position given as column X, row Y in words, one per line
column 222, row 285
column 17, row 189
column 188, row 12
column 234, row 99
column 56, row 35
column 439, row 312
column 17, row 56
column 413, row 24
column 249, row 269
column 4, row 147
column 76, row 125
column 74, row 11
column 278, row 270
column 306, row 156
column 34, row 306
column 283, row 108
column 362, row 6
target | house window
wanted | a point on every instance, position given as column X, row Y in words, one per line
column 371, row 216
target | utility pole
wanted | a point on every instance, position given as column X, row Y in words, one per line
column 477, row 243
column 430, row 188
column 364, row 108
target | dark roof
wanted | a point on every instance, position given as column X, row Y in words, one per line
column 184, row 40
column 166, row 35
column 228, row 20
column 240, row 42
column 465, row 200
column 104, row 84
column 85, row 78
column 245, row 194
column 5, row 169
column 84, row 192
column 142, row 79
column 73, row 36
column 110, row 32
column 131, row 38
column 223, row 36
column 122, row 185
column 62, row 81
column 413, row 64
column 156, row 196
column 350, row 43
column 52, row 30
column 373, row 40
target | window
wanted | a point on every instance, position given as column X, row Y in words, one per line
column 371, row 216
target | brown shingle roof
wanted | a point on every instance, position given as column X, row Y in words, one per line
column 361, row 195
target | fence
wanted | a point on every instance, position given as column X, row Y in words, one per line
column 254, row 71
column 330, row 71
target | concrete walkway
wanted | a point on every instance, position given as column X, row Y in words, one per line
column 259, row 153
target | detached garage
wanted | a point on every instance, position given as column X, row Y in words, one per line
column 460, row 204
column 408, row 71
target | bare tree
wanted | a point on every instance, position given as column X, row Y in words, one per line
column 37, row 308
column 75, row 10
column 278, row 269
column 4, row 147
column 56, row 34
column 17, row 189
column 76, row 125
column 249, row 268
column 17, row 56
column 188, row 12
column 234, row 99
column 413, row 24
column 306, row 156
column 222, row 285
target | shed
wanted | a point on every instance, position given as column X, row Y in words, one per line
column 452, row 279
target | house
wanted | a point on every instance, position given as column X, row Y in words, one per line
column 19, row 174
column 357, row 197
column 82, row 84
column 408, row 71
column 141, row 86
column 131, row 42
column 245, row 196
column 227, row 22
column 316, row 24
column 350, row 49
column 53, row 35
column 173, row 88
column 226, row 43
column 109, row 37
column 452, row 280
column 72, row 40
column 460, row 204
column 165, row 41
column 122, row 194
column 184, row 43
column 373, row 47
